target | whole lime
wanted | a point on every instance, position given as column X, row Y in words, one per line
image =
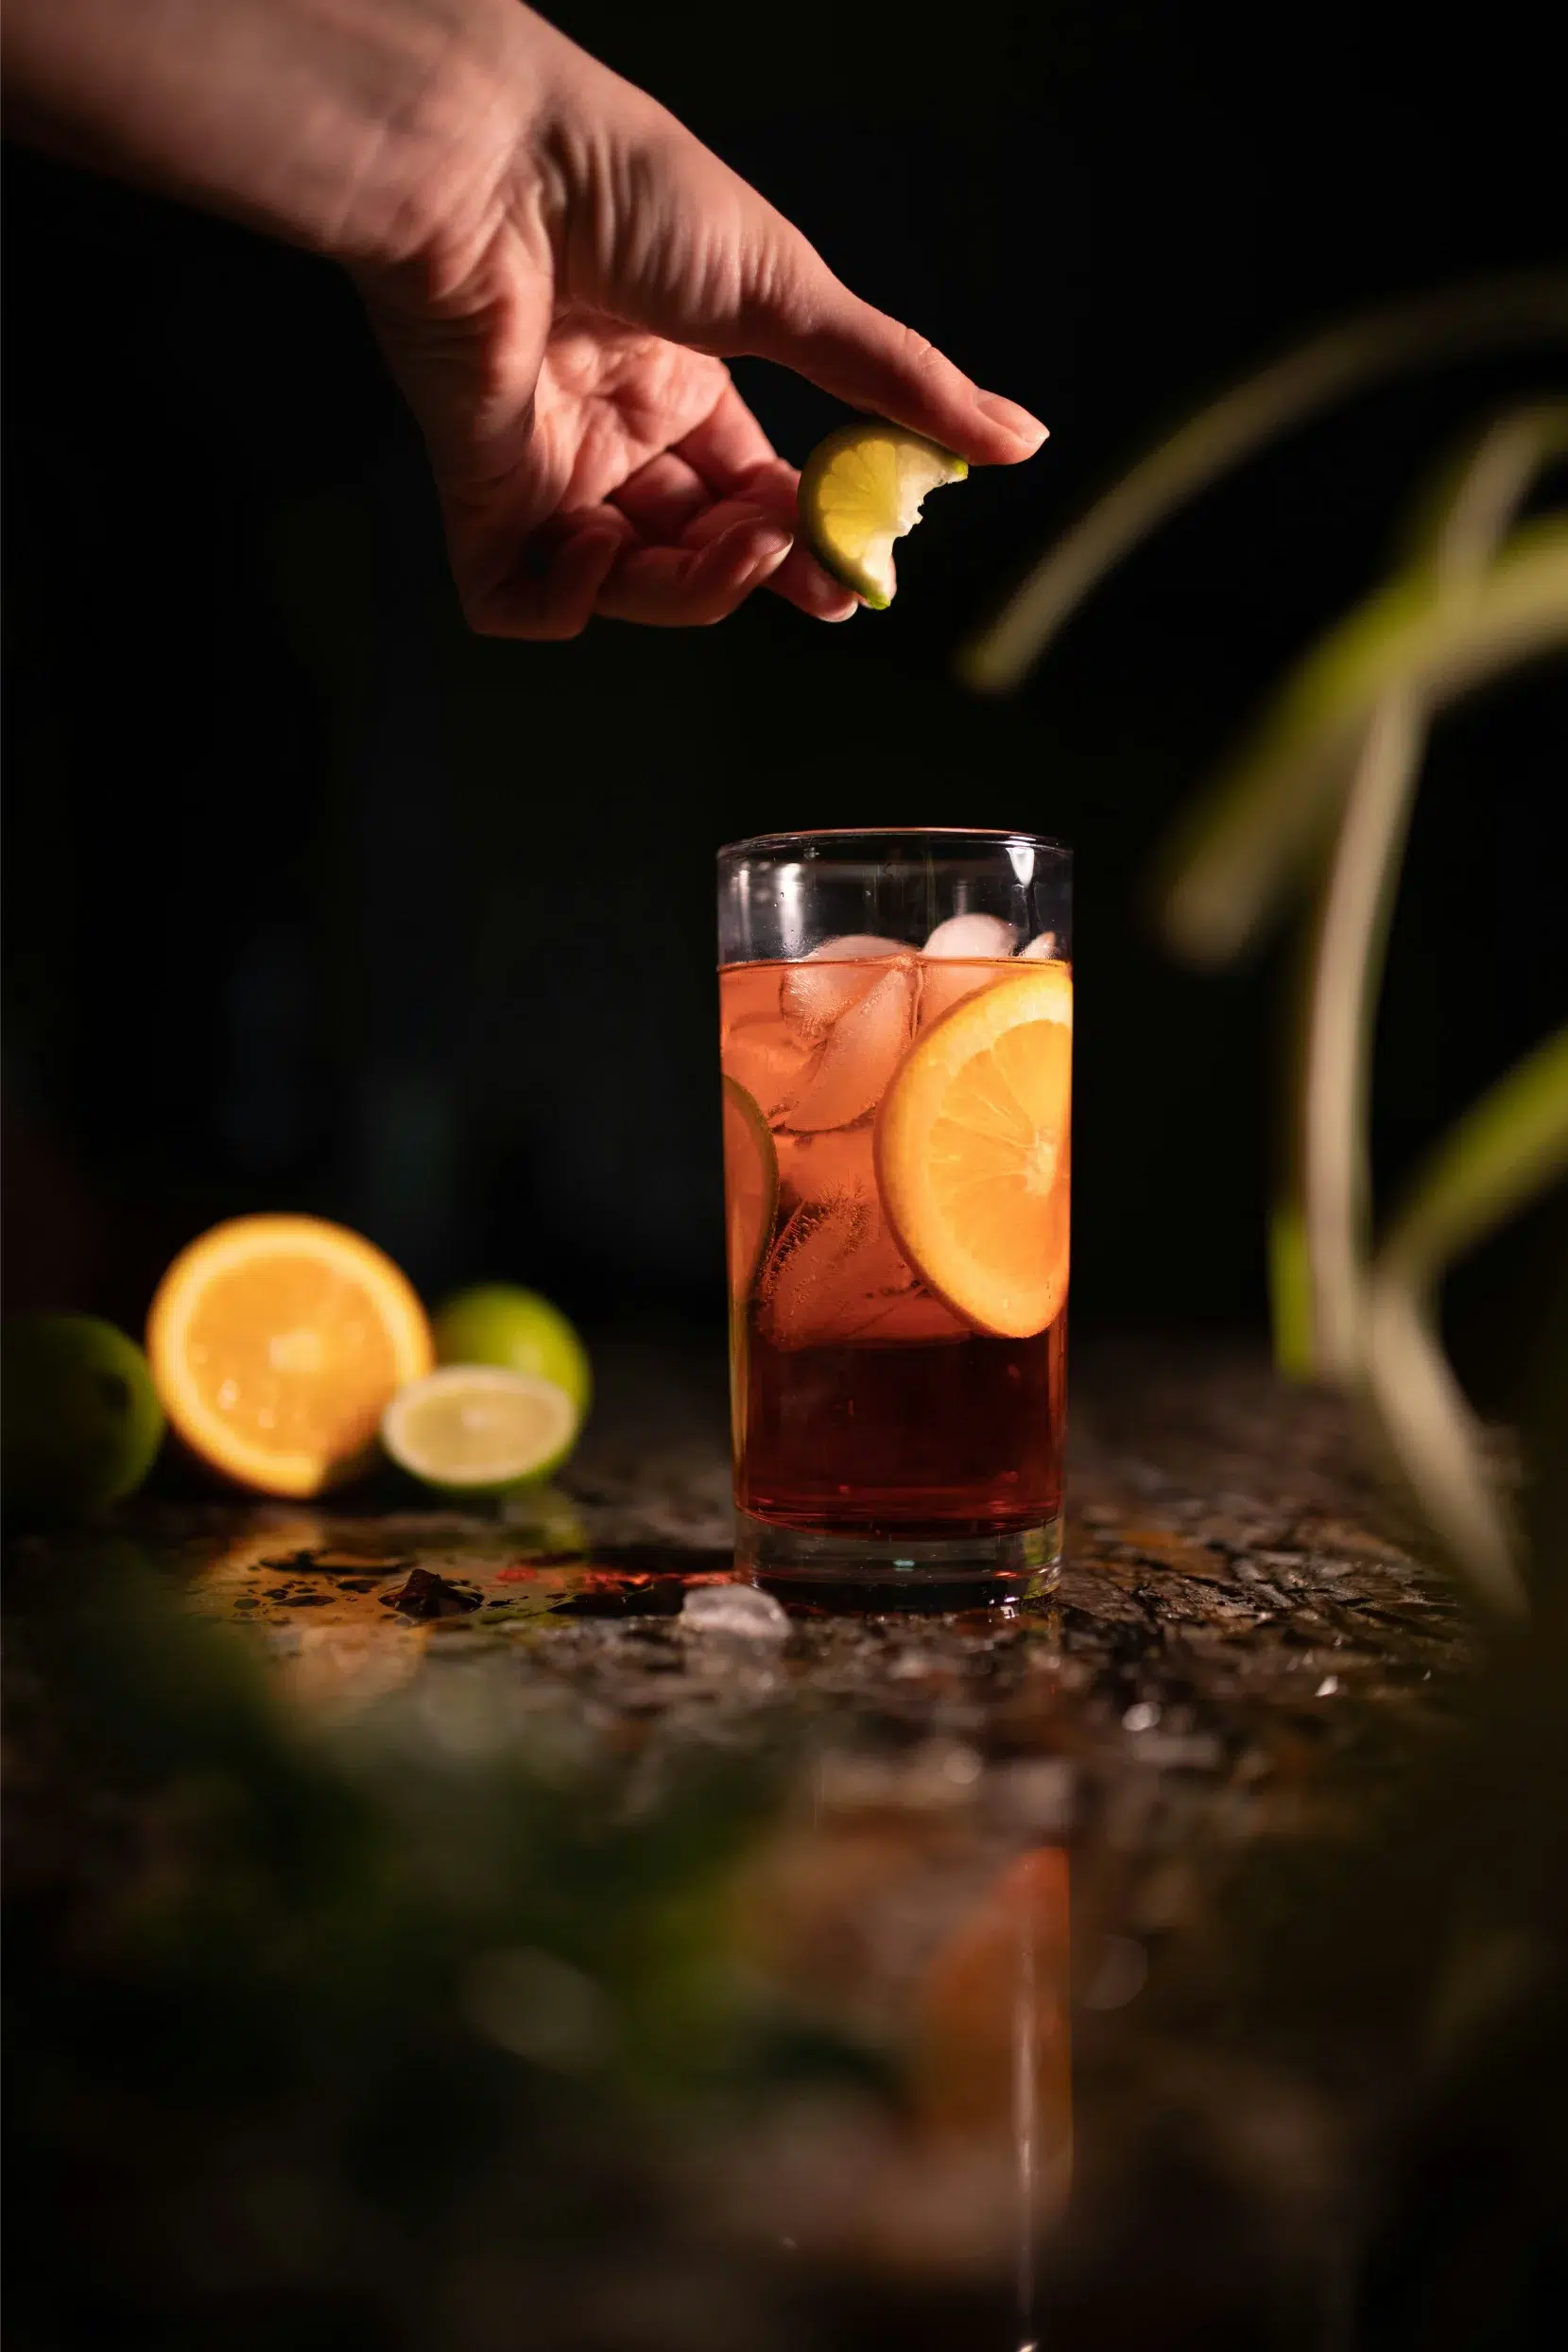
column 79, row 1418
column 497, row 1322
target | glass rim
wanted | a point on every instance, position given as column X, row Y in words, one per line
column 984, row 837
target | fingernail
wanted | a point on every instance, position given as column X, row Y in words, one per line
column 1012, row 419
column 770, row 545
column 599, row 541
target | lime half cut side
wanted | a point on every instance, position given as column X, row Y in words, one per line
column 478, row 1428
column 860, row 490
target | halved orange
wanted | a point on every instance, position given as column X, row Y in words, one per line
column 275, row 1344
column 972, row 1152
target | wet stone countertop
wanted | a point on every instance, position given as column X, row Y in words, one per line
column 1235, row 1624
column 1076, row 1965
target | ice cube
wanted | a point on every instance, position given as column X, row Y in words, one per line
column 739, row 1610
column 858, row 1055
column 835, row 1270
column 1041, row 950
column 766, row 1061
column 802, row 1298
column 955, row 961
column 972, row 936
column 835, row 1164
column 815, row 991
column 945, row 985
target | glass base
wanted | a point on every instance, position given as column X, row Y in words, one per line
column 893, row 1572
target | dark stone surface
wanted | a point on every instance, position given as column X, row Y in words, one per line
column 1233, row 1622
column 1148, row 1920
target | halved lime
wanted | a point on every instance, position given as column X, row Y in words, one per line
column 479, row 1429
column 860, row 490
column 80, row 1416
column 500, row 1322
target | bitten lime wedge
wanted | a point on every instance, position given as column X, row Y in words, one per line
column 479, row 1429
column 860, row 490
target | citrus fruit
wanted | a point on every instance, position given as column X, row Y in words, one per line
column 276, row 1342
column 479, row 1428
column 81, row 1420
column 498, row 1323
column 750, row 1186
column 972, row 1152
column 860, row 490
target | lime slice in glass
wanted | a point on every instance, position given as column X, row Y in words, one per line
column 750, row 1186
column 478, row 1428
column 860, row 490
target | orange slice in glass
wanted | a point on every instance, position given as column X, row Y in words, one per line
column 275, row 1344
column 750, row 1186
column 972, row 1152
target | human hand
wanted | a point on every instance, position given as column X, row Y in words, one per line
column 566, row 355
column 557, row 270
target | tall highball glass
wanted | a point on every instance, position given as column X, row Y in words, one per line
column 896, row 1039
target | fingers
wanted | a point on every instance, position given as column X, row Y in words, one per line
column 692, row 587
column 554, row 588
column 729, row 446
column 729, row 549
column 812, row 591
column 722, row 474
column 662, row 497
column 769, row 495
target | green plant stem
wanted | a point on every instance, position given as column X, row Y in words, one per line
column 1341, row 1012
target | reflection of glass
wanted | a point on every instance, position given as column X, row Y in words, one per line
column 896, row 1042
column 874, row 1923
column 994, row 2058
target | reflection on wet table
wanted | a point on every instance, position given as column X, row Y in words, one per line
column 623, row 1949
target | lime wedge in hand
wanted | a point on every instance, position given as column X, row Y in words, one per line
column 860, row 490
column 478, row 1428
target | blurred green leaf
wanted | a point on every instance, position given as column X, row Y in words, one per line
column 1526, row 309
column 1425, row 633
column 1508, row 1148
column 1513, row 1145
column 1472, row 501
column 1340, row 756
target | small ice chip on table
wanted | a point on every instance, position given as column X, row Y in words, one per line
column 735, row 1609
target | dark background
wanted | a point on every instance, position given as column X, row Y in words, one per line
column 312, row 900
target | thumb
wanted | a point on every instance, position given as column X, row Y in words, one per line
column 669, row 237
column 799, row 314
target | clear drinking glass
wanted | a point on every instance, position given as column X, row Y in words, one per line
column 896, row 1037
